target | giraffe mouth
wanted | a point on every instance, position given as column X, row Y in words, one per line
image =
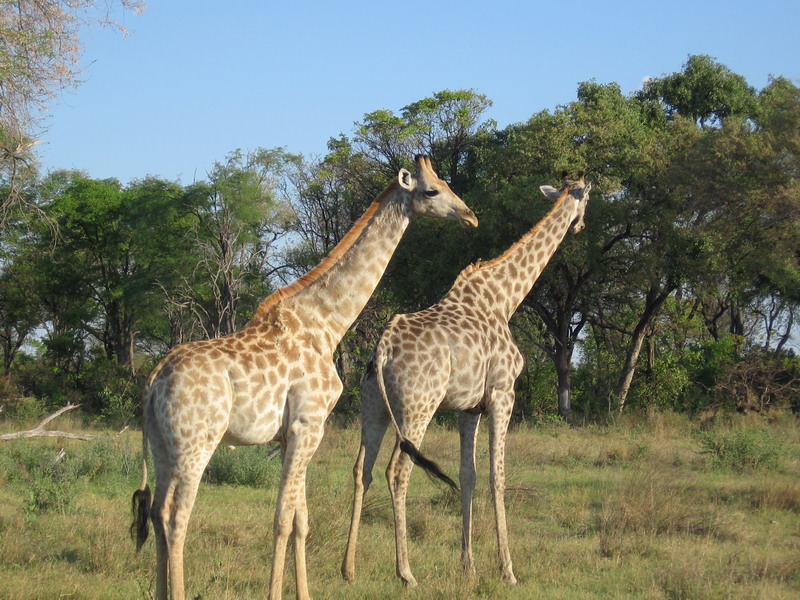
column 469, row 219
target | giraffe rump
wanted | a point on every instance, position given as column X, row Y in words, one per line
column 430, row 467
column 140, row 506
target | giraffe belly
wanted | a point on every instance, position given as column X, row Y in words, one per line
column 254, row 421
column 465, row 389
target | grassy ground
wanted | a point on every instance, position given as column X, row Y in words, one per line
column 655, row 508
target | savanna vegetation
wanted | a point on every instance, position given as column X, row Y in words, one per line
column 665, row 333
column 658, row 507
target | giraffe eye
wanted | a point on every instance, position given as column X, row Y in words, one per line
column 431, row 193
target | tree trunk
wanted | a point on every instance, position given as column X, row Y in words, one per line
column 563, row 363
column 629, row 367
column 653, row 302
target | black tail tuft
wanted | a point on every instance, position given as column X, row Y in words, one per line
column 431, row 468
column 140, row 506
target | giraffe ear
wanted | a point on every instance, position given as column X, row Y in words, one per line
column 550, row 191
column 405, row 179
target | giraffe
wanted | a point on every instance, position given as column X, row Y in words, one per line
column 274, row 380
column 458, row 354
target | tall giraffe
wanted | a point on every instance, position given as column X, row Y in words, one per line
column 273, row 380
column 458, row 354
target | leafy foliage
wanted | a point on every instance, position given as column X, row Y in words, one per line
column 688, row 270
column 743, row 450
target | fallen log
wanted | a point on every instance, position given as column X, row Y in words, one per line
column 40, row 431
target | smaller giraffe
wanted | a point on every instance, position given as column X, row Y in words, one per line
column 458, row 354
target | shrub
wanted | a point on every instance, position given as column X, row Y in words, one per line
column 51, row 484
column 24, row 409
column 50, row 492
column 742, row 450
column 118, row 407
column 249, row 465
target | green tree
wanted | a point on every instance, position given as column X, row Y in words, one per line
column 448, row 127
column 240, row 213
column 745, row 181
column 705, row 91
column 20, row 312
column 713, row 224
column 112, row 247
column 444, row 126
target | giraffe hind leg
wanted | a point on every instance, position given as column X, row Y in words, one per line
column 397, row 475
column 158, row 514
column 174, row 499
column 373, row 428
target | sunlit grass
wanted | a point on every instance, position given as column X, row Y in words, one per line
column 643, row 509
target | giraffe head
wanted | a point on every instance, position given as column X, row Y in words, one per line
column 577, row 191
column 431, row 196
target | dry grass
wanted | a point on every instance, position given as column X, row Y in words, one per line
column 638, row 510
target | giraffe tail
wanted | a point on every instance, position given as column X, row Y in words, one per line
column 430, row 467
column 140, row 503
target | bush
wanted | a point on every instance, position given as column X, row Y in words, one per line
column 47, row 476
column 50, row 492
column 118, row 407
column 104, row 458
column 249, row 465
column 24, row 409
column 743, row 450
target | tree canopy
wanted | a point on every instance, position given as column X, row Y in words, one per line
column 688, row 270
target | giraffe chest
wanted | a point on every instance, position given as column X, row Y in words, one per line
column 265, row 401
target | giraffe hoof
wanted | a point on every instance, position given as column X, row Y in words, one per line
column 509, row 579
column 409, row 581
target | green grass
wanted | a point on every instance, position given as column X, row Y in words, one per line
column 652, row 508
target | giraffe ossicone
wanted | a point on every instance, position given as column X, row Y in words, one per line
column 458, row 354
column 274, row 380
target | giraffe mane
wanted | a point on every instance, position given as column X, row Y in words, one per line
column 330, row 260
column 479, row 264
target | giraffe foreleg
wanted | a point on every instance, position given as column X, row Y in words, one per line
column 468, row 430
column 300, row 537
column 291, row 513
column 499, row 417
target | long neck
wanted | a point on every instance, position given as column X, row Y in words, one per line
column 335, row 291
column 500, row 285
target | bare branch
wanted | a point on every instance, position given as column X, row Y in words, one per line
column 40, row 431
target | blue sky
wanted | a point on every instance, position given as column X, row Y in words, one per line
column 195, row 80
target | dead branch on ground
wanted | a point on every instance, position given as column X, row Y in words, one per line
column 40, row 431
